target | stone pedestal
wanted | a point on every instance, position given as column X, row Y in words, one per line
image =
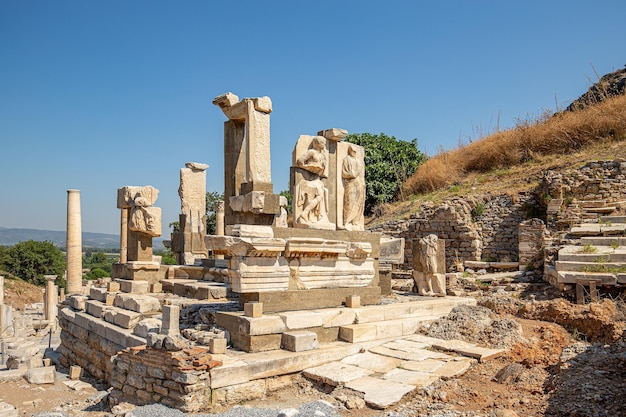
column 74, row 265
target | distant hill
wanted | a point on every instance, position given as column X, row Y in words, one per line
column 10, row 237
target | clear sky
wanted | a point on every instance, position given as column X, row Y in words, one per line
column 95, row 95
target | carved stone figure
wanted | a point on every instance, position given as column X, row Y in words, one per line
column 428, row 268
column 354, row 191
column 311, row 193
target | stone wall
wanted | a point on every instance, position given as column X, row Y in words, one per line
column 179, row 379
column 570, row 196
column 480, row 228
column 498, row 225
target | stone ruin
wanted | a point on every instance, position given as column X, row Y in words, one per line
column 280, row 297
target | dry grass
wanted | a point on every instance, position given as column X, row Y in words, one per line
column 563, row 134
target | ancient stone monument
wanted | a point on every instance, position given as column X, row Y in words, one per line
column 143, row 222
column 429, row 268
column 188, row 243
column 248, row 186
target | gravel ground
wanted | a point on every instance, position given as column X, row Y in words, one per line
column 312, row 409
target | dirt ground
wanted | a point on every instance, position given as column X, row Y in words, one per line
column 563, row 359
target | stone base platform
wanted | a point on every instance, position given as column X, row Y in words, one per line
column 366, row 323
column 277, row 301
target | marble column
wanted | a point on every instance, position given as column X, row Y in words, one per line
column 219, row 222
column 74, row 265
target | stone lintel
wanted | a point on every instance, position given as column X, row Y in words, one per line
column 297, row 247
column 277, row 301
column 248, row 187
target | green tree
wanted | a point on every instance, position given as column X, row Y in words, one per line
column 211, row 198
column 388, row 163
column 31, row 260
column 97, row 273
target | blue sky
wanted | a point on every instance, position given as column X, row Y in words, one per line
column 95, row 95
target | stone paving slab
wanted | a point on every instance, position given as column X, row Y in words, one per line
column 336, row 373
column 373, row 362
column 380, row 393
column 427, row 365
column 453, row 369
column 419, row 379
column 409, row 356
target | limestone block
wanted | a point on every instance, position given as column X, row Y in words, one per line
column 171, row 320
column 95, row 308
column 113, row 286
column 130, row 196
column 353, row 301
column 312, row 273
column 453, row 369
column 337, row 317
column 314, row 246
column 139, row 303
column 97, row 293
column 217, row 346
column 259, row 274
column 41, row 375
column 110, row 298
column 249, row 230
column 354, row 333
column 75, row 372
column 254, row 202
column 263, row 325
column 262, row 104
column 253, row 309
column 157, row 287
column 299, row 341
column 77, row 302
column 122, row 318
column 334, row 133
column 236, row 203
column 295, row 320
column 146, row 326
column 392, row 250
column 135, row 287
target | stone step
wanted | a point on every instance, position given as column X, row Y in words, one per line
column 592, row 203
column 580, row 266
column 613, row 219
column 603, row 240
column 600, row 210
column 592, row 254
column 197, row 289
column 606, row 278
column 364, row 332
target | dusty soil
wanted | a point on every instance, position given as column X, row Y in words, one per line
column 18, row 293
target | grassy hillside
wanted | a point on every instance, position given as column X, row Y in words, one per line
column 513, row 161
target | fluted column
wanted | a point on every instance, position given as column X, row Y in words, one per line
column 74, row 265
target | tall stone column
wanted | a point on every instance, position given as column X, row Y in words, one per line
column 1, row 289
column 219, row 222
column 74, row 265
